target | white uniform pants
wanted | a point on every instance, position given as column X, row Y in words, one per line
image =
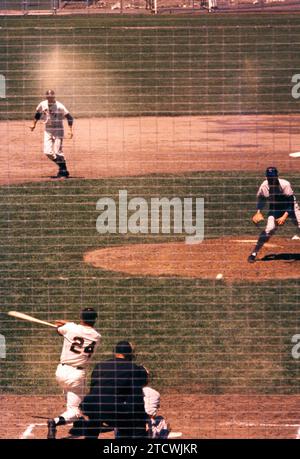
column 72, row 381
column 212, row 4
column 52, row 145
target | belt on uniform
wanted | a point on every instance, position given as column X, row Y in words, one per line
column 77, row 368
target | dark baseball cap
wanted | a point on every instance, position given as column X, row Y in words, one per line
column 88, row 316
column 271, row 172
column 125, row 348
column 50, row 93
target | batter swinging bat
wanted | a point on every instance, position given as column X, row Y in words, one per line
column 20, row 315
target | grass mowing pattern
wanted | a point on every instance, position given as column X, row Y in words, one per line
column 193, row 335
column 123, row 66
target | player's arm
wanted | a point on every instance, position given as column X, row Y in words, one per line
column 281, row 220
column 70, row 121
column 59, row 324
column 258, row 216
column 260, row 204
column 151, row 401
column 37, row 117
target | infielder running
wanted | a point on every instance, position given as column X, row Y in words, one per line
column 80, row 341
column 282, row 204
column 52, row 113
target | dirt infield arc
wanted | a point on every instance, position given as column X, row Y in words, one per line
column 124, row 147
column 227, row 256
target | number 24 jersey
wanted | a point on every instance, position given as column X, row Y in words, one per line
column 80, row 342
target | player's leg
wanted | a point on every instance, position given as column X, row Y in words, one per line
column 72, row 381
column 53, row 423
column 295, row 217
column 48, row 146
column 74, row 397
column 74, row 387
column 51, row 148
column 60, row 159
column 263, row 237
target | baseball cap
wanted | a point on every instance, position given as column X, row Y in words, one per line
column 89, row 316
column 50, row 93
column 271, row 172
column 125, row 348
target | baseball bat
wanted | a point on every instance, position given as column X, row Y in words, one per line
column 20, row 315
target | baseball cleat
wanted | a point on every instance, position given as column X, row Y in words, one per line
column 252, row 258
column 51, row 429
column 296, row 238
column 58, row 175
column 63, row 174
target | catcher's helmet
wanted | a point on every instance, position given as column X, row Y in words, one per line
column 89, row 316
column 271, row 172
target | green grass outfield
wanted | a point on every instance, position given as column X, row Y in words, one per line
column 122, row 66
column 191, row 334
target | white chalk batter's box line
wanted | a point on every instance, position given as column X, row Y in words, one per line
column 254, row 424
column 28, row 432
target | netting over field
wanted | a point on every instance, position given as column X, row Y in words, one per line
column 165, row 107
column 209, row 66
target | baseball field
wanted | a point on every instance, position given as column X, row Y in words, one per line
column 164, row 107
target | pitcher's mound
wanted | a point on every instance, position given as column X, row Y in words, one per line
column 279, row 259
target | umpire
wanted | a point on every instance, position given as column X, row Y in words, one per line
column 116, row 398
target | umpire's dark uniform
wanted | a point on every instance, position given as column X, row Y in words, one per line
column 116, row 397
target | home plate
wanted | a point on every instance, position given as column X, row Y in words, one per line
column 295, row 155
column 175, row 435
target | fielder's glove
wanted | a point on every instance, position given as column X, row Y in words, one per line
column 257, row 218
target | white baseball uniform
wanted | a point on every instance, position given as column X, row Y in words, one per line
column 53, row 116
column 277, row 208
column 151, row 400
column 80, row 342
column 157, row 425
column 212, row 4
